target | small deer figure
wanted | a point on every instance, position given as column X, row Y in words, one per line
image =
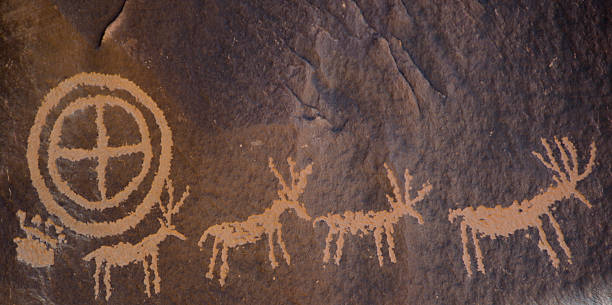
column 123, row 254
column 503, row 221
column 234, row 234
column 374, row 222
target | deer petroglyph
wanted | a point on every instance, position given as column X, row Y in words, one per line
column 503, row 221
column 375, row 222
column 123, row 254
column 234, row 234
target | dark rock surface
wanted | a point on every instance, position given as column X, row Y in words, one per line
column 459, row 93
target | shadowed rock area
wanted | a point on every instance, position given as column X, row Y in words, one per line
column 459, row 152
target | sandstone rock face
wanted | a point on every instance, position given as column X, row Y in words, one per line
column 305, row 152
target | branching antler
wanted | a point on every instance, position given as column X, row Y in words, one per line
column 298, row 180
column 173, row 207
column 405, row 202
column 395, row 202
column 570, row 172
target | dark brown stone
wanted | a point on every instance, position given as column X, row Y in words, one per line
column 459, row 94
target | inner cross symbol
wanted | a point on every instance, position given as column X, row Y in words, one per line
column 102, row 152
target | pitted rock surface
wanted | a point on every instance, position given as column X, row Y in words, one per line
column 405, row 111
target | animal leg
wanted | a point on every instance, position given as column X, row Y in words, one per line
column 560, row 238
column 339, row 247
column 154, row 267
column 328, row 240
column 479, row 262
column 224, row 269
column 467, row 260
column 390, row 242
column 378, row 240
column 545, row 246
column 97, row 278
column 145, row 266
column 107, row 281
column 213, row 258
column 271, row 252
column 279, row 236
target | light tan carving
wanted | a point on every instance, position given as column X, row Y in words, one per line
column 375, row 222
column 123, row 254
column 503, row 221
column 101, row 153
column 38, row 248
column 234, row 234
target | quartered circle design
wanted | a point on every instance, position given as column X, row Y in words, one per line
column 101, row 153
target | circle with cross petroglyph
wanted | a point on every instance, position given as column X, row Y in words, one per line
column 101, row 153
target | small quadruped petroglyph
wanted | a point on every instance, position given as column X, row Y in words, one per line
column 123, row 254
column 375, row 222
column 234, row 234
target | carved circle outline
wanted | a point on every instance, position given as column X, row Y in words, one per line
column 52, row 100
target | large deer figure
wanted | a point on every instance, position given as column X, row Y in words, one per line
column 375, row 222
column 123, row 254
column 503, row 221
column 234, row 234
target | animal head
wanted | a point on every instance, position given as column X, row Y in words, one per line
column 289, row 193
column 300, row 211
column 292, row 191
column 405, row 204
column 167, row 228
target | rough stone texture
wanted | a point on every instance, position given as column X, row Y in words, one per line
column 459, row 93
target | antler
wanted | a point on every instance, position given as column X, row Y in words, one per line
column 425, row 189
column 572, row 176
column 173, row 207
column 570, row 166
column 406, row 202
column 284, row 189
column 298, row 180
column 395, row 202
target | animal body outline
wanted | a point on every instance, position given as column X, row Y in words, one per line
column 375, row 222
column 123, row 254
column 234, row 234
column 503, row 221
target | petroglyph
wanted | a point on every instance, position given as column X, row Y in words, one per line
column 234, row 234
column 101, row 153
column 123, row 254
column 503, row 221
column 108, row 85
column 38, row 248
column 375, row 222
